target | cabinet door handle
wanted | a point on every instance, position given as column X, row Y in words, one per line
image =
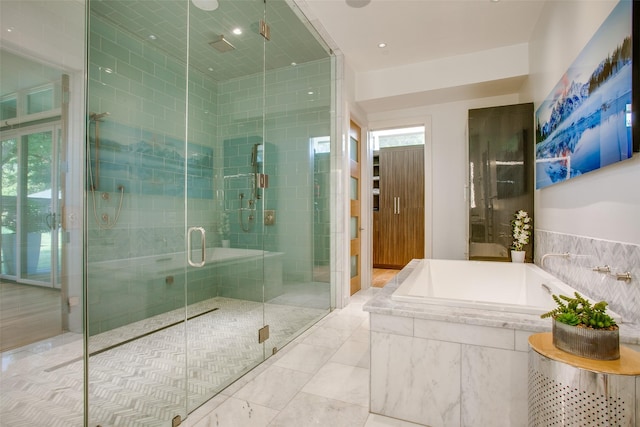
column 398, row 205
column 395, row 205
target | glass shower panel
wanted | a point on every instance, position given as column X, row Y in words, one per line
column 225, row 152
column 500, row 177
column 297, row 124
column 137, row 188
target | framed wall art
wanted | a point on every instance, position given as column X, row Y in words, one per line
column 585, row 123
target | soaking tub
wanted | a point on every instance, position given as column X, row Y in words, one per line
column 494, row 286
column 449, row 341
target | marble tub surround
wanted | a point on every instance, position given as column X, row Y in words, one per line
column 383, row 304
column 587, row 253
column 448, row 366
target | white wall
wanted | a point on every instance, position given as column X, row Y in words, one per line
column 604, row 204
column 448, row 168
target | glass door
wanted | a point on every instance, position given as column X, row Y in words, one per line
column 225, row 301
column 30, row 200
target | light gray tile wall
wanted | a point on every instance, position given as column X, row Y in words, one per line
column 577, row 270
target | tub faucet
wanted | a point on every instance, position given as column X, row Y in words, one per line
column 565, row 255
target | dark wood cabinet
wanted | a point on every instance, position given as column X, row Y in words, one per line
column 398, row 223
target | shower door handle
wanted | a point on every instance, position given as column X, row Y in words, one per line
column 202, row 252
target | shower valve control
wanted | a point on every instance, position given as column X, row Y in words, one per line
column 269, row 217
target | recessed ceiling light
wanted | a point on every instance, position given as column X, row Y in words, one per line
column 382, row 45
column 310, row 92
column 293, row 64
column 152, row 37
column 210, row 68
column 10, row 29
column 108, row 70
column 237, row 31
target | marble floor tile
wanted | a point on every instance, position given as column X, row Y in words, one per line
column 274, row 388
column 345, row 321
column 203, row 411
column 305, row 358
column 341, row 382
column 327, row 337
column 362, row 333
column 353, row 353
column 375, row 420
column 238, row 413
column 311, row 410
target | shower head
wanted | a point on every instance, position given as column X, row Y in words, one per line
column 97, row 116
column 221, row 44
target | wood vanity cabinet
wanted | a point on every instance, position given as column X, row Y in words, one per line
column 398, row 224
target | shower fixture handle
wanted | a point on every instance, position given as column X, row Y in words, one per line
column 202, row 251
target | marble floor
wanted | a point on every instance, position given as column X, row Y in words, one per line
column 321, row 378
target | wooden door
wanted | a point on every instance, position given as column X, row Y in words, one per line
column 384, row 251
column 355, row 261
column 410, row 205
column 401, row 214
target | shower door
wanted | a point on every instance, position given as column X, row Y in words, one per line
column 206, row 186
column 224, row 297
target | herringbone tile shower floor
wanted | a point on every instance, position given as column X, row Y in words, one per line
column 147, row 375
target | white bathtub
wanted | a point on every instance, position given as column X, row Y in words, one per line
column 494, row 286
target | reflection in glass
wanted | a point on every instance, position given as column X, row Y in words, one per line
column 40, row 100
column 8, row 107
column 500, row 175
column 9, row 205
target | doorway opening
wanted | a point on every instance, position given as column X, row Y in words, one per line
column 398, row 199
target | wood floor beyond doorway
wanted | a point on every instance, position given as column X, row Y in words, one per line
column 381, row 276
column 28, row 314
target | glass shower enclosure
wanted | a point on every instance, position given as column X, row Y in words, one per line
column 206, row 198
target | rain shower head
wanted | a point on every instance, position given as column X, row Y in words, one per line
column 221, row 44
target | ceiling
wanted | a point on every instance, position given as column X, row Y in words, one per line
column 414, row 31
column 423, row 30
column 417, row 31
column 167, row 21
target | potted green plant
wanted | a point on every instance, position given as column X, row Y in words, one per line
column 521, row 232
column 583, row 328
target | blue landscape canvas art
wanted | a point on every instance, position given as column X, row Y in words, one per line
column 585, row 122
